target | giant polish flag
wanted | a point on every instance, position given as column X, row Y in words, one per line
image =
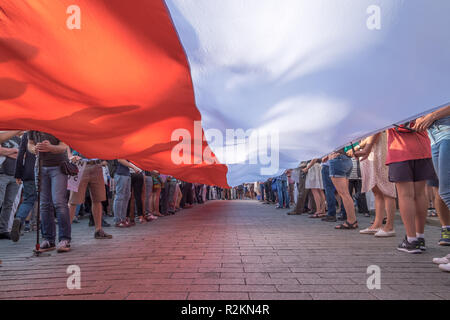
column 242, row 89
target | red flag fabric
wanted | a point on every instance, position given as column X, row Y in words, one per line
column 117, row 87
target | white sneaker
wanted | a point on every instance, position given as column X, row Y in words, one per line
column 445, row 267
column 369, row 231
column 63, row 246
column 443, row 260
column 385, row 234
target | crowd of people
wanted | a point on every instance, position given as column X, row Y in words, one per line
column 115, row 188
column 404, row 168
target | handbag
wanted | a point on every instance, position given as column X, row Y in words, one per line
column 68, row 168
column 405, row 128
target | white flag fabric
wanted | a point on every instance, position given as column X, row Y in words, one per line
column 320, row 73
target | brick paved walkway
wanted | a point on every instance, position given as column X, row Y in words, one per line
column 226, row 250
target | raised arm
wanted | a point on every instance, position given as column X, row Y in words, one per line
column 46, row 146
column 7, row 151
column 6, row 135
column 367, row 146
column 129, row 165
column 425, row 122
column 310, row 164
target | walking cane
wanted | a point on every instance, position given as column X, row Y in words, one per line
column 37, row 250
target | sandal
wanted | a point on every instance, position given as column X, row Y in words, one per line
column 347, row 226
column 316, row 215
column 142, row 220
column 150, row 217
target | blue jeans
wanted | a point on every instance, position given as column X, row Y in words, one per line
column 440, row 148
column 8, row 193
column 123, row 194
column 54, row 195
column 29, row 198
column 330, row 190
column 261, row 188
column 77, row 210
column 283, row 195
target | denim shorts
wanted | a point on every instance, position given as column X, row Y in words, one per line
column 439, row 130
column 340, row 167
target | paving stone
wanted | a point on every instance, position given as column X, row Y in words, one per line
column 218, row 281
column 304, row 288
column 270, row 281
column 279, row 296
column 45, row 292
column 218, row 296
column 247, row 288
column 119, row 296
column 296, row 275
column 443, row 295
column 395, row 295
column 244, row 275
column 196, row 275
column 421, row 288
column 342, row 296
column 226, row 250
column 157, row 296
column 326, row 281
column 354, row 288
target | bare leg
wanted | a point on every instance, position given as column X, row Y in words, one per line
column 317, row 200
column 407, row 206
column 379, row 208
column 441, row 208
column 322, row 200
column 389, row 204
column 338, row 202
column 180, row 195
column 72, row 210
column 341, row 185
column 430, row 196
column 420, row 199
